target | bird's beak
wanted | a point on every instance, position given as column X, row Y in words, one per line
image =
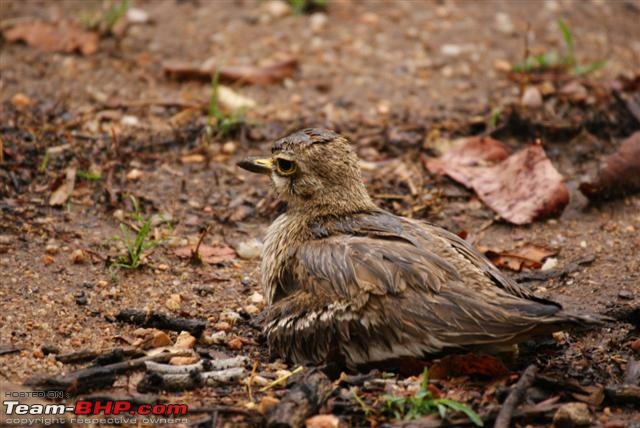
column 258, row 164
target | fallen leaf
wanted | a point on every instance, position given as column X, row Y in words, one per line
column 267, row 74
column 467, row 365
column 208, row 254
column 522, row 188
column 528, row 256
column 619, row 173
column 465, row 153
column 62, row 193
column 50, row 37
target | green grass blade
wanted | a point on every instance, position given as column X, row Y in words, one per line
column 568, row 41
column 454, row 405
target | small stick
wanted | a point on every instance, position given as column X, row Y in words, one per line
column 515, row 397
column 161, row 321
column 251, row 377
column 301, row 401
column 280, row 379
column 97, row 377
column 154, row 381
column 199, row 367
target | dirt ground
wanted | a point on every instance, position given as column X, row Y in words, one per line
column 391, row 76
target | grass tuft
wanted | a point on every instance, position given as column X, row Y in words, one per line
column 137, row 243
column 423, row 403
column 554, row 60
column 222, row 123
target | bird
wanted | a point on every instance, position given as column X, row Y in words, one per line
column 346, row 280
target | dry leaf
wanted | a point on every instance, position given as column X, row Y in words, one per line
column 50, row 37
column 259, row 75
column 467, row 365
column 522, row 188
column 619, row 173
column 468, row 152
column 62, row 193
column 528, row 256
column 208, row 254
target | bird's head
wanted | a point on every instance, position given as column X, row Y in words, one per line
column 314, row 169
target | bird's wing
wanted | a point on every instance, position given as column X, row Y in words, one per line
column 374, row 282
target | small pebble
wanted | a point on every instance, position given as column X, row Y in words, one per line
column 251, row 249
column 625, row 294
column 235, row 344
column 229, row 148
column 81, row 299
column 52, row 248
column 317, row 22
column 252, row 309
column 230, row 316
column 134, row 175
column 323, row 421
column 77, row 257
column 137, row 16
column 185, row 340
column 572, row 415
column 20, row 100
column 173, row 302
column 217, row 338
column 267, row 403
column 159, row 339
column 276, row 8
column 183, row 361
column 222, row 325
column 256, row 298
column 532, row 97
column 549, row 264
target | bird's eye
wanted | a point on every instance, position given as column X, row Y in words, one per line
column 285, row 167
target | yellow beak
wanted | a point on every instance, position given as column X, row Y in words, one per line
column 258, row 164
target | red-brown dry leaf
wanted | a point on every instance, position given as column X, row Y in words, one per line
column 50, row 37
column 469, row 152
column 528, row 256
column 619, row 173
column 267, row 74
column 467, row 365
column 208, row 254
column 522, row 188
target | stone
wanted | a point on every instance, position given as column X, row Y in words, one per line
column 572, row 415
column 78, row 257
column 532, row 97
column 185, row 341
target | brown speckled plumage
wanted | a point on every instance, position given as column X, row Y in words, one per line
column 343, row 277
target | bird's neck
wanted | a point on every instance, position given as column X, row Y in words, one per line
column 340, row 202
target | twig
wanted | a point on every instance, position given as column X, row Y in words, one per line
column 161, row 321
column 99, row 376
column 251, row 377
column 195, row 258
column 186, row 381
column 515, row 397
column 200, row 366
column 303, row 400
column 281, row 379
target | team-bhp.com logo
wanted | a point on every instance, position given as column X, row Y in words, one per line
column 85, row 412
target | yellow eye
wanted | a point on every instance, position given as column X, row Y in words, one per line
column 285, row 167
